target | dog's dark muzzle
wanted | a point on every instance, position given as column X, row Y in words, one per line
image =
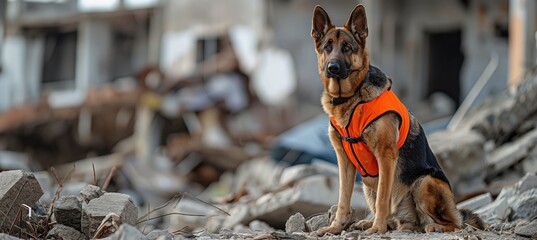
column 336, row 69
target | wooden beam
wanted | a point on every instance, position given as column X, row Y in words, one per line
column 521, row 40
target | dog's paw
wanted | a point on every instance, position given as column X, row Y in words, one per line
column 435, row 227
column 331, row 229
column 377, row 229
column 363, row 224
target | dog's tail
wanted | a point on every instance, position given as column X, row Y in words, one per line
column 472, row 219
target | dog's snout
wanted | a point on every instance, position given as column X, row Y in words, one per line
column 333, row 67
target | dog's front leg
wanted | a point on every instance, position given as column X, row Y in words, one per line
column 347, row 175
column 382, row 140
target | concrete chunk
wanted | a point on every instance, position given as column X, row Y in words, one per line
column 295, row 223
column 476, row 202
column 529, row 181
column 61, row 232
column 127, row 232
column 97, row 209
column 90, row 192
column 68, row 211
column 527, row 229
column 317, row 222
column 16, row 188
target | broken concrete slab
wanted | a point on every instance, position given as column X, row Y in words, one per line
column 295, row 223
column 510, row 153
column 17, row 187
column 97, row 209
column 62, row 232
column 68, row 211
column 524, row 205
column 297, row 172
column 303, row 197
column 497, row 210
column 527, row 182
column 476, row 202
column 127, row 232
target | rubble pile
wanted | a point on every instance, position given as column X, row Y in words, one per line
column 91, row 214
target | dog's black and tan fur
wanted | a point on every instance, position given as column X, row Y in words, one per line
column 410, row 191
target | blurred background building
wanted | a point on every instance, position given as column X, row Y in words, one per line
column 167, row 96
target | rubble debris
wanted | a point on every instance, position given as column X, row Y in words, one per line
column 62, row 232
column 260, row 226
column 90, row 192
column 97, row 209
column 68, row 211
column 476, row 202
column 525, row 205
column 127, row 232
column 160, row 235
column 295, row 223
column 4, row 236
column 17, row 187
column 527, row 229
column 317, row 222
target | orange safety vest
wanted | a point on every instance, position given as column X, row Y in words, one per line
column 363, row 115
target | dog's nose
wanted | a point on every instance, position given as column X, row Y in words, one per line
column 333, row 67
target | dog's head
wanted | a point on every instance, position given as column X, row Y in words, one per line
column 341, row 54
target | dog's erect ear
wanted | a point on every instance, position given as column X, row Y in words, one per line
column 357, row 23
column 321, row 23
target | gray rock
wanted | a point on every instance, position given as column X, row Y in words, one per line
column 276, row 207
column 296, row 172
column 90, row 192
column 61, row 232
column 499, row 209
column 529, row 181
column 97, row 209
column 527, row 229
column 525, row 204
column 295, row 223
column 476, row 202
column 317, row 222
column 127, row 232
column 68, row 211
column 16, row 188
column 160, row 234
column 240, row 228
column 4, row 236
column 260, row 226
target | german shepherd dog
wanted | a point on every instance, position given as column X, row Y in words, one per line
column 372, row 132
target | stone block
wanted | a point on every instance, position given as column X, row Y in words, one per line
column 90, row 192
column 68, row 211
column 16, row 188
column 97, row 209
column 62, row 232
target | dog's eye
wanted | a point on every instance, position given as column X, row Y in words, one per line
column 346, row 48
column 328, row 47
